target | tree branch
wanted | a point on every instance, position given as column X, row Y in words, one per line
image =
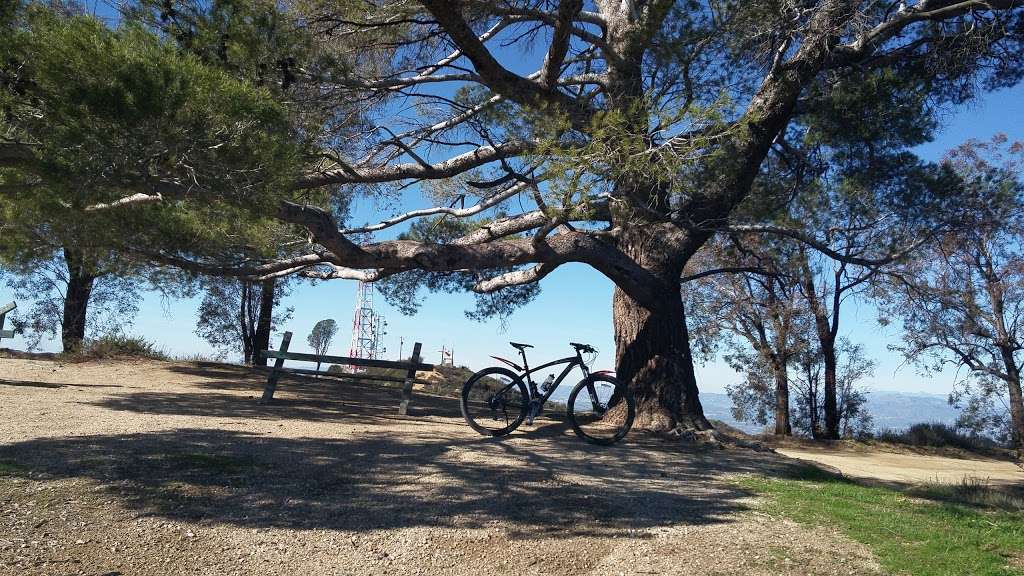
column 448, row 14
column 445, row 169
column 560, row 35
column 514, row 278
column 825, row 248
column 728, row 270
column 477, row 208
column 930, row 10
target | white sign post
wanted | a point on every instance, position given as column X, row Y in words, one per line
column 3, row 317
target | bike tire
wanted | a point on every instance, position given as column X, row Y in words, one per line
column 586, row 418
column 479, row 398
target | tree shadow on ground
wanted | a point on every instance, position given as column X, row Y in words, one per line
column 34, row 384
column 231, row 392
column 551, row 485
column 386, row 472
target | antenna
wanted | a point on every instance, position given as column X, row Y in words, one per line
column 368, row 327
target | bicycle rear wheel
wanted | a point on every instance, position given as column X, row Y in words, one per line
column 600, row 410
column 494, row 401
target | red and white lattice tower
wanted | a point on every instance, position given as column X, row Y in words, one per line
column 367, row 327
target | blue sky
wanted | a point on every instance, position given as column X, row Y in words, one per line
column 575, row 304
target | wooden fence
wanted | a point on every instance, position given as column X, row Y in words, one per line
column 410, row 367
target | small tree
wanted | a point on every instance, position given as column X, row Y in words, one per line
column 240, row 315
column 69, row 296
column 754, row 303
column 852, row 415
column 320, row 338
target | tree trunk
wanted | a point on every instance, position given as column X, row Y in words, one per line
column 828, row 353
column 652, row 355
column 826, row 330
column 244, row 322
column 1016, row 400
column 264, row 324
column 76, row 299
column 783, row 427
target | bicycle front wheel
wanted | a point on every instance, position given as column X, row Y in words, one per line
column 494, row 401
column 600, row 410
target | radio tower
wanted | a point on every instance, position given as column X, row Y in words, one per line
column 367, row 327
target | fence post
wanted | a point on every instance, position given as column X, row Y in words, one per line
column 403, row 408
column 275, row 372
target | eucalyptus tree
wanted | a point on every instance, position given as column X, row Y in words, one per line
column 962, row 299
column 855, row 224
column 808, row 381
column 753, row 299
column 631, row 134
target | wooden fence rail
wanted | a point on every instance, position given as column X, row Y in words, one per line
column 410, row 367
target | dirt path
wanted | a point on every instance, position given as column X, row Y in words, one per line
column 910, row 468
column 156, row 468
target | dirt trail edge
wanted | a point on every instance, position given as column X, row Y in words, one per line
column 910, row 468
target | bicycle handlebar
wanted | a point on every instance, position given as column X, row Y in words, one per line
column 585, row 348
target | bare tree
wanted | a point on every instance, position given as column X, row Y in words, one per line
column 962, row 299
column 620, row 141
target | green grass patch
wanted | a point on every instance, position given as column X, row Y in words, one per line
column 977, row 492
column 906, row 534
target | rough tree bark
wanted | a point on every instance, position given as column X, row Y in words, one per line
column 652, row 354
column 830, row 402
column 76, row 300
column 265, row 321
column 783, row 427
column 652, row 342
column 826, row 326
column 1016, row 398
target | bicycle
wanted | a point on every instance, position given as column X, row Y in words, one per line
column 496, row 400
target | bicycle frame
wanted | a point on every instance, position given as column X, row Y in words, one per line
column 496, row 401
column 525, row 371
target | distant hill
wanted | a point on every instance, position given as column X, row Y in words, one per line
column 895, row 410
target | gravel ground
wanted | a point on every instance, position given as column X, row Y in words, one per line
column 156, row 468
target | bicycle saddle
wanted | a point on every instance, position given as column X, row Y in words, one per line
column 520, row 346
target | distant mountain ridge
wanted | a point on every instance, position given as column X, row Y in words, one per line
column 890, row 410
